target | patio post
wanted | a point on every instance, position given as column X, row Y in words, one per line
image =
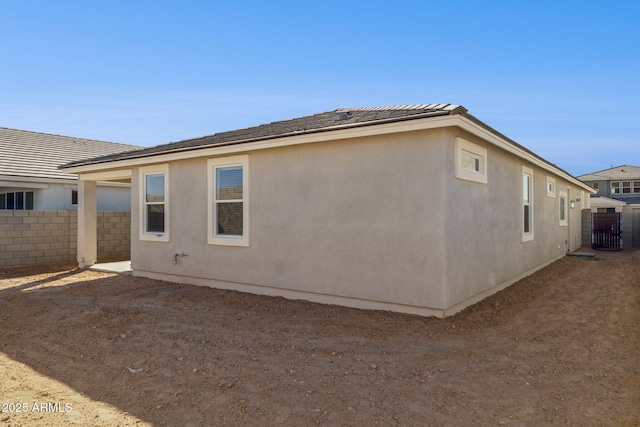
column 87, row 223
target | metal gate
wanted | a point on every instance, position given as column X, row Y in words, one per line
column 606, row 231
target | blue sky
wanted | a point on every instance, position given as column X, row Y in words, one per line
column 560, row 77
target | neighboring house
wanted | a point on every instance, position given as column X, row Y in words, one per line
column 38, row 202
column 613, row 221
column 619, row 183
column 30, row 178
column 420, row 209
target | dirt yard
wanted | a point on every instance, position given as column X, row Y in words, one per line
column 87, row 348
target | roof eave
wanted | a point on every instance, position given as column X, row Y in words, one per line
column 146, row 154
column 409, row 123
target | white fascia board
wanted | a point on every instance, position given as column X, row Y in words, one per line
column 300, row 138
column 18, row 184
column 106, row 175
column 33, row 182
column 335, row 134
column 500, row 142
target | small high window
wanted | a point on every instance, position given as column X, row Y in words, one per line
column 551, row 187
column 471, row 161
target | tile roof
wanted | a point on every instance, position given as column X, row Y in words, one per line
column 604, row 202
column 38, row 155
column 342, row 118
column 613, row 174
column 330, row 120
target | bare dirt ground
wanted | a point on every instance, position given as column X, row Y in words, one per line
column 86, row 348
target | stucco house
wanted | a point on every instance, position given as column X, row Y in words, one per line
column 419, row 208
column 619, row 183
column 30, row 178
column 613, row 222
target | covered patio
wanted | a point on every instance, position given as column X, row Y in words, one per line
column 88, row 217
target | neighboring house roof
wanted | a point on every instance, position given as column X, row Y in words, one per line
column 605, row 202
column 38, row 155
column 341, row 119
column 618, row 173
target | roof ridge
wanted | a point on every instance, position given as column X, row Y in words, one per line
column 447, row 107
column 331, row 120
column 610, row 169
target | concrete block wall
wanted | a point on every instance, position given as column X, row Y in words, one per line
column 47, row 237
column 114, row 236
column 631, row 224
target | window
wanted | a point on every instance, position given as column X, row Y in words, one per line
column 626, row 187
column 228, row 196
column 154, row 203
column 527, row 204
column 471, row 161
column 563, row 209
column 615, row 187
column 636, row 187
column 596, row 186
column 74, row 197
column 28, row 197
column 19, row 201
column 551, row 187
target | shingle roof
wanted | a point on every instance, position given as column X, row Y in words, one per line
column 331, row 120
column 343, row 118
column 617, row 173
column 38, row 155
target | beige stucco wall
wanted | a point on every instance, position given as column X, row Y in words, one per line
column 484, row 248
column 356, row 219
column 378, row 222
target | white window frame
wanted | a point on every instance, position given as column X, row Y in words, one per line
column 627, row 187
column 227, row 240
column 596, row 186
column 142, row 204
column 468, row 149
column 635, row 186
column 526, row 172
column 616, row 190
column 551, row 187
column 564, row 199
